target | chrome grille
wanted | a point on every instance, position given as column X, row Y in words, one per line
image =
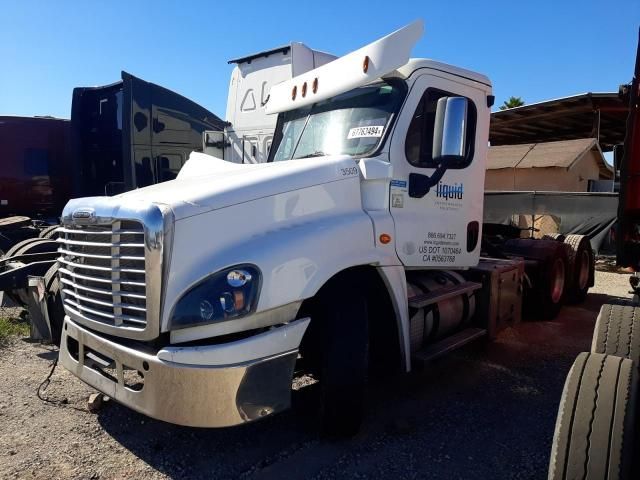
column 103, row 275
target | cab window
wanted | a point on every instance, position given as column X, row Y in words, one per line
column 419, row 142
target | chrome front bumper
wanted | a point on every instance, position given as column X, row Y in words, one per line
column 191, row 395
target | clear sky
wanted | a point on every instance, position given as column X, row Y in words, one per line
column 537, row 50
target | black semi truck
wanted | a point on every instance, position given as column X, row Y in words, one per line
column 122, row 136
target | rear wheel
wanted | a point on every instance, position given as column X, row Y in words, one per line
column 552, row 285
column 594, row 434
column 558, row 237
column 581, row 267
column 548, row 274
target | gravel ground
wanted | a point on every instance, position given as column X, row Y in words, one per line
column 483, row 412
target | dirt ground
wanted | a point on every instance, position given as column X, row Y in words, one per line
column 482, row 412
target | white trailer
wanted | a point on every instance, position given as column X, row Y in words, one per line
column 356, row 247
column 249, row 132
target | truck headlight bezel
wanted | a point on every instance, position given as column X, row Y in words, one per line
column 228, row 294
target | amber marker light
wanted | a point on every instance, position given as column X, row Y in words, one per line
column 385, row 238
column 314, row 87
column 304, row 89
column 365, row 64
column 294, row 92
column 238, row 300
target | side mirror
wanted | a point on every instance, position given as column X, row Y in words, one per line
column 449, row 144
column 450, row 131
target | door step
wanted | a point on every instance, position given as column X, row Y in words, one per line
column 426, row 299
column 446, row 345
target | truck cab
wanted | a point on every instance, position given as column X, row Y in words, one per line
column 195, row 301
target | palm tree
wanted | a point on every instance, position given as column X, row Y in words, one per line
column 511, row 103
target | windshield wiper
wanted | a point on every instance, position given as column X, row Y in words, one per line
column 310, row 155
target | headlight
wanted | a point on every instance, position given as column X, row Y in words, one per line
column 228, row 294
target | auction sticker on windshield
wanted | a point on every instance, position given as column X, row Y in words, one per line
column 361, row 132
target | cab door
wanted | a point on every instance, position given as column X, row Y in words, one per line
column 438, row 212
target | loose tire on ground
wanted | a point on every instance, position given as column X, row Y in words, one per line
column 581, row 267
column 54, row 303
column 594, row 434
column 27, row 247
column 617, row 332
column 20, row 245
column 39, row 245
column 49, row 232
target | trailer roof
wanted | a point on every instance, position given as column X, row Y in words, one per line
column 284, row 49
column 600, row 115
column 26, row 118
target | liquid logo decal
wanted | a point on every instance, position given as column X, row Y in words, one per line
column 450, row 192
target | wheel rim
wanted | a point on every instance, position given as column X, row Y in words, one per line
column 557, row 280
column 583, row 274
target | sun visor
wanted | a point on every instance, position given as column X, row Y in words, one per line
column 353, row 70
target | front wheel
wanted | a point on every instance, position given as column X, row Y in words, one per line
column 344, row 361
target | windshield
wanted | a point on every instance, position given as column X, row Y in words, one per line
column 352, row 123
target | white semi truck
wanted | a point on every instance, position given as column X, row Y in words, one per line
column 356, row 247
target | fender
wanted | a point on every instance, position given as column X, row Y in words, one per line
column 396, row 282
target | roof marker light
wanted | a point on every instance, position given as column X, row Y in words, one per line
column 314, row 87
column 365, row 64
column 294, row 92
column 304, row 89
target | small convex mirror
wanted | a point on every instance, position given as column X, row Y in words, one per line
column 450, row 131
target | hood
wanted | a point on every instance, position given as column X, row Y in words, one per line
column 208, row 183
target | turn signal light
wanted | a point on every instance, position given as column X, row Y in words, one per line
column 385, row 238
column 238, row 300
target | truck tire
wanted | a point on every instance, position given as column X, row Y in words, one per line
column 18, row 246
column 594, row 433
column 54, row 303
column 581, row 267
column 49, row 232
column 550, row 293
column 38, row 245
column 11, row 223
column 558, row 237
column 617, row 332
column 548, row 278
column 344, row 364
column 26, row 247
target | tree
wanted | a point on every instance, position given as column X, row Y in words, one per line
column 511, row 103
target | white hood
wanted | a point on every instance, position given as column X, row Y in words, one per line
column 208, row 183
